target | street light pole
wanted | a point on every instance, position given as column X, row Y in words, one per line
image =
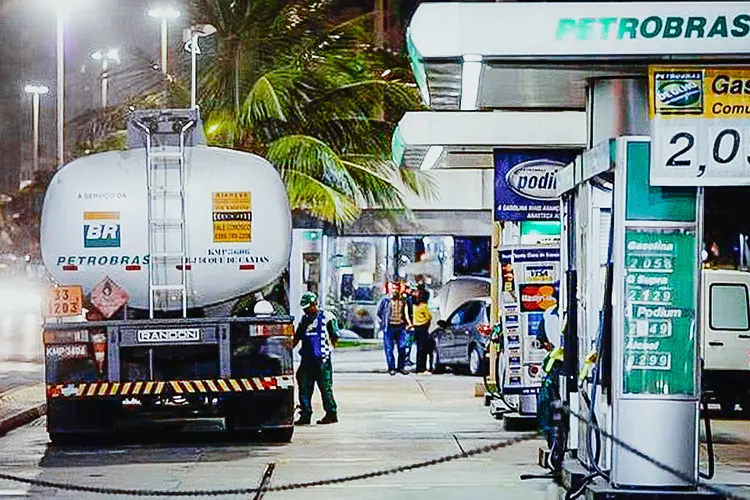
column 105, row 57
column 191, row 37
column 164, row 45
column 60, row 88
column 35, row 91
column 194, row 70
column 164, row 14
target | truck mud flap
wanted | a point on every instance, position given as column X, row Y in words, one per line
column 257, row 411
column 82, row 416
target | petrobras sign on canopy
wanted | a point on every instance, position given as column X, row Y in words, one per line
column 583, row 29
column 526, row 183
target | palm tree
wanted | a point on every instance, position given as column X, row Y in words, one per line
column 308, row 91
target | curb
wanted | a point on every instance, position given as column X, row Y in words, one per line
column 21, row 418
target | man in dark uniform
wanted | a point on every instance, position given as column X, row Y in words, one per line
column 318, row 335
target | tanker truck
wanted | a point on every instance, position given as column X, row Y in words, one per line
column 149, row 250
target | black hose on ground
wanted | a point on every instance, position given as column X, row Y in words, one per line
column 709, row 442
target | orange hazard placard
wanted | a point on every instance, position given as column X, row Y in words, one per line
column 64, row 301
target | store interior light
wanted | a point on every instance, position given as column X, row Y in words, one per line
column 434, row 153
column 471, row 71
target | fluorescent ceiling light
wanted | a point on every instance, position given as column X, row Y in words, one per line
column 431, row 158
column 471, row 70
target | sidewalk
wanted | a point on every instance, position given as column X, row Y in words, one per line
column 21, row 394
column 20, row 406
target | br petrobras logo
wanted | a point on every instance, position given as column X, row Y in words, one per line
column 678, row 92
column 101, row 229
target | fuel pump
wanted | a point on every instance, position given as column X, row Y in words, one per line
column 631, row 262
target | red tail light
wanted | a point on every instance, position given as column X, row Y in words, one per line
column 484, row 329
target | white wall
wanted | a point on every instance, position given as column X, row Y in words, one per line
column 455, row 189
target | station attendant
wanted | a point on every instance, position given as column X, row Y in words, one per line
column 317, row 334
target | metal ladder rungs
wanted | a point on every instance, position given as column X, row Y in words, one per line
column 167, row 255
column 166, row 192
column 167, row 222
column 166, row 155
column 168, row 287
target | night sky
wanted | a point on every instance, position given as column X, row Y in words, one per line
column 27, row 54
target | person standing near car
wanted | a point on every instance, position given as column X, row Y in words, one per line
column 422, row 321
column 393, row 314
column 317, row 335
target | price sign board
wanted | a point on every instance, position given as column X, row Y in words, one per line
column 660, row 305
column 700, row 126
column 64, row 301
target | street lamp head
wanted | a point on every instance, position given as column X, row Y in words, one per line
column 64, row 7
column 113, row 55
column 110, row 55
column 36, row 89
column 165, row 12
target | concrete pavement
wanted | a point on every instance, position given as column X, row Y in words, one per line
column 385, row 422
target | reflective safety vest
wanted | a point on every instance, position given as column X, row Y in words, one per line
column 588, row 364
column 557, row 354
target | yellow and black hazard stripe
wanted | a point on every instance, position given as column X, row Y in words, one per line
column 169, row 387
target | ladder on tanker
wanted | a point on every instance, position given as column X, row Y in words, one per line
column 166, row 136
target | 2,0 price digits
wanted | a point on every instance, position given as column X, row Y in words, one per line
column 724, row 148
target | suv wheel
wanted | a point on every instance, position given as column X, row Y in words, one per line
column 476, row 361
column 437, row 366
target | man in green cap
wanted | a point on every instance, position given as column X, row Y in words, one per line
column 318, row 335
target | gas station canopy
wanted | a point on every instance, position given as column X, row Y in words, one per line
column 463, row 135
column 529, row 55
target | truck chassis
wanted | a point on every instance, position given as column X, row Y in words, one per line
column 101, row 375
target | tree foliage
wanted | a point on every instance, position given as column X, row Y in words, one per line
column 298, row 84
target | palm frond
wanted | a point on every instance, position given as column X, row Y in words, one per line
column 318, row 199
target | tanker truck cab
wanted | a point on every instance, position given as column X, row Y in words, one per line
column 725, row 331
column 165, row 247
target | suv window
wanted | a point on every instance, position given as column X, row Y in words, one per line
column 466, row 314
column 457, row 318
column 729, row 307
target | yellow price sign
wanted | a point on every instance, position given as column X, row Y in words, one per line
column 63, row 301
column 700, row 126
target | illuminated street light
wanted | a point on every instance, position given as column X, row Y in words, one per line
column 190, row 36
column 35, row 91
column 164, row 14
column 112, row 55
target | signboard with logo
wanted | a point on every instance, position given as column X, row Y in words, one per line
column 101, row 229
column 530, row 291
column 700, row 132
column 108, row 297
column 660, row 312
column 232, row 217
column 526, row 183
column 580, row 29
